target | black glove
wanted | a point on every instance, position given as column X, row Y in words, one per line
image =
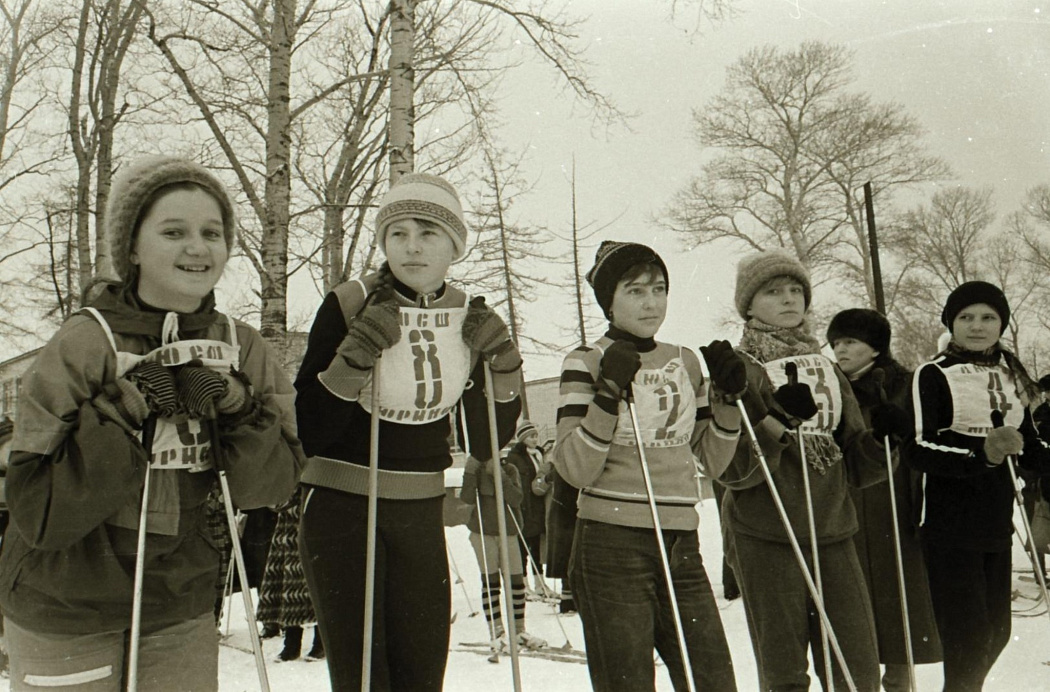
column 727, row 368
column 889, row 420
column 485, row 332
column 619, row 364
column 797, row 402
column 375, row 329
column 204, row 392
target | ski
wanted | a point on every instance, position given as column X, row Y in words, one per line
column 547, row 653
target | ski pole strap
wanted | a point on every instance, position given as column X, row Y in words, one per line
column 353, row 478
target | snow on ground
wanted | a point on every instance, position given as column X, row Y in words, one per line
column 1023, row 666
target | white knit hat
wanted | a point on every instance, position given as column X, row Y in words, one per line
column 423, row 196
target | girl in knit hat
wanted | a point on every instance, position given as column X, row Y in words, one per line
column 432, row 339
column 969, row 503
column 773, row 296
column 150, row 346
column 861, row 341
column 615, row 570
column 527, row 457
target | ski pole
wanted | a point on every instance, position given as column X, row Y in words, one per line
column 1033, row 554
column 149, row 427
column 459, row 580
column 501, row 520
column 818, row 602
column 227, row 595
column 218, row 458
column 370, row 540
column 791, row 370
column 879, row 377
column 494, row 658
column 686, row 664
column 521, row 537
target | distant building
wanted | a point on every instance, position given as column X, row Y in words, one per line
column 542, row 398
column 11, row 372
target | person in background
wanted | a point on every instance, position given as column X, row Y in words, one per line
column 149, row 346
column 967, row 527
column 479, row 488
column 428, row 340
column 860, row 339
column 527, row 457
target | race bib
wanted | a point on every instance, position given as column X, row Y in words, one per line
column 977, row 390
column 666, row 406
column 423, row 375
column 818, row 372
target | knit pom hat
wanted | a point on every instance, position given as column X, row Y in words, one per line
column 612, row 261
column 864, row 325
column 423, row 196
column 524, row 430
column 131, row 189
column 972, row 293
column 754, row 270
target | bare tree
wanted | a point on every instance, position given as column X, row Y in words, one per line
column 794, row 143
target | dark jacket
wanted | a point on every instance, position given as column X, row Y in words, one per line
column 533, row 506
column 874, row 539
column 63, row 568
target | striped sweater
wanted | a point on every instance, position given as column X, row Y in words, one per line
column 596, row 449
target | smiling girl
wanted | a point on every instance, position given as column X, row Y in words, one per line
column 140, row 349
column 967, row 527
column 432, row 339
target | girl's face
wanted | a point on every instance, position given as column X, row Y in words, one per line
column 781, row 302
column 977, row 327
column 853, row 355
column 639, row 305
column 180, row 250
column 419, row 254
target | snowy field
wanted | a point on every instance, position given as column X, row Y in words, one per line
column 1025, row 665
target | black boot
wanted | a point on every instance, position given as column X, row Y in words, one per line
column 317, row 650
column 293, row 644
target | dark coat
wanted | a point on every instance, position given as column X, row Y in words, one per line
column 533, row 506
column 561, row 525
column 874, row 540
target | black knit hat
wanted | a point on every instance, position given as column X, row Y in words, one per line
column 612, row 261
column 862, row 324
column 972, row 293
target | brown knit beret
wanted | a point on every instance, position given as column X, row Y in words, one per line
column 754, row 270
column 134, row 184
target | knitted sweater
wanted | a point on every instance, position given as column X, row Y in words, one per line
column 596, row 450
column 968, row 501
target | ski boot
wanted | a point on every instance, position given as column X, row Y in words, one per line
column 530, row 641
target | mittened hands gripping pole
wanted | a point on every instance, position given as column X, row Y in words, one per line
column 374, row 330
column 619, row 364
column 1002, row 441
column 795, row 400
column 147, row 389
column 888, row 420
column 204, row 392
column 485, row 332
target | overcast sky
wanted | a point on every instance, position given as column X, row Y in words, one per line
column 974, row 72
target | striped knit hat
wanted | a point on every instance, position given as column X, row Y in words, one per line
column 524, row 430
column 427, row 197
column 612, row 261
column 133, row 188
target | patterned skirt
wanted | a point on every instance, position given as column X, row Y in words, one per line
column 284, row 598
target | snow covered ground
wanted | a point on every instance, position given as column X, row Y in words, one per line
column 1024, row 666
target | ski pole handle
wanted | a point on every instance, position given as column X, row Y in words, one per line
column 791, row 370
column 997, row 418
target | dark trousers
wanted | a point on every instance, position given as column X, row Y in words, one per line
column 971, row 601
column 618, row 581
column 412, row 600
column 784, row 623
column 530, row 546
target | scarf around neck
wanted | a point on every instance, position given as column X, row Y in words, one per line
column 767, row 343
column 1026, row 388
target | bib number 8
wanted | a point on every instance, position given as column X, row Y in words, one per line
column 426, row 367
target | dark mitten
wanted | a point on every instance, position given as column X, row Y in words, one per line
column 485, row 332
column 157, row 384
column 889, row 420
column 205, row 392
column 619, row 364
column 727, row 368
column 1002, row 442
column 797, row 402
column 375, row 329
